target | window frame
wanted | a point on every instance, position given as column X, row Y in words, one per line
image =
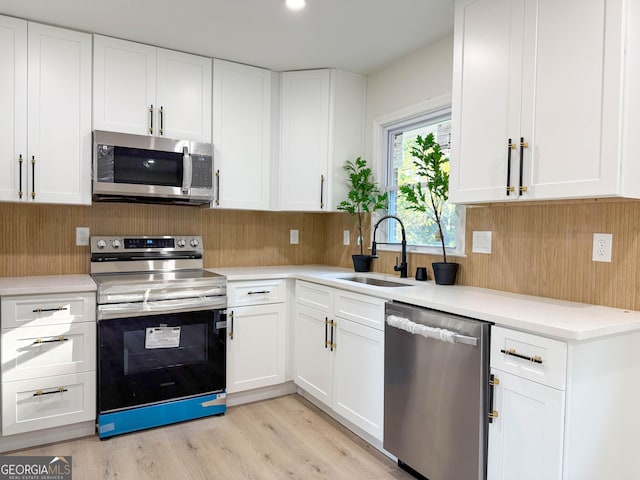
column 383, row 127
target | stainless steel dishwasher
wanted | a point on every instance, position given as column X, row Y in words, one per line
column 436, row 392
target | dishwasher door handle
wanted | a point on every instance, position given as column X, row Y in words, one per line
column 436, row 333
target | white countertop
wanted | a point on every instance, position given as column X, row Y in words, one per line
column 46, row 284
column 540, row 315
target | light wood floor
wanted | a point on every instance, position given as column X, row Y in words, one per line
column 281, row 438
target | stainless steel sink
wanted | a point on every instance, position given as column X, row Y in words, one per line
column 377, row 282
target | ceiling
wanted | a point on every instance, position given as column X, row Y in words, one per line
column 355, row 35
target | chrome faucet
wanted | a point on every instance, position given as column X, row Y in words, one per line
column 399, row 267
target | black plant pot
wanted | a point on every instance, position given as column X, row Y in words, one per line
column 361, row 263
column 445, row 273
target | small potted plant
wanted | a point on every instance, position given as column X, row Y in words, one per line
column 364, row 197
column 431, row 165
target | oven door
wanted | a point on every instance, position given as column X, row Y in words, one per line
column 154, row 358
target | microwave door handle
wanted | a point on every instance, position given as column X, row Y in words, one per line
column 186, row 171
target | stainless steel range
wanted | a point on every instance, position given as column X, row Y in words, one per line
column 161, row 332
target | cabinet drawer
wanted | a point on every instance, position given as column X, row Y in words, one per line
column 362, row 309
column 49, row 309
column 31, row 352
column 48, row 402
column 256, row 292
column 315, row 296
column 551, row 369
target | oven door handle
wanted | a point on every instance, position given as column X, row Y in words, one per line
column 160, row 307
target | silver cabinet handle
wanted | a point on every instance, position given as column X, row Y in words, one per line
column 40, row 341
column 231, row 329
column 321, row 192
column 161, row 120
column 258, row 292
column 151, row 119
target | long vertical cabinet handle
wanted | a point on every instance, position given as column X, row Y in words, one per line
column 333, row 345
column 326, row 332
column 151, row 120
column 510, row 146
column 231, row 329
column 321, row 192
column 33, row 176
column 217, row 188
column 161, row 120
column 493, row 381
column 523, row 145
column 20, row 161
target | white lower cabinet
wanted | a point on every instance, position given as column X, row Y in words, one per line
column 340, row 361
column 256, row 342
column 358, row 380
column 525, row 440
column 47, row 402
column 48, row 361
column 256, row 349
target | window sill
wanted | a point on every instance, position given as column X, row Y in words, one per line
column 420, row 250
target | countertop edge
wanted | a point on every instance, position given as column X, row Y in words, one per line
column 579, row 322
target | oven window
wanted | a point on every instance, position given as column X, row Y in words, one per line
column 147, row 167
column 138, row 357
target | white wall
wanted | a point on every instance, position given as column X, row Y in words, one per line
column 415, row 78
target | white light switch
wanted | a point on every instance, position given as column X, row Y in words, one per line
column 481, row 242
column 293, row 237
column 346, row 239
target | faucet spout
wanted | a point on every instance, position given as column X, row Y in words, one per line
column 399, row 267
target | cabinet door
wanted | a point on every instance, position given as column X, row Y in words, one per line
column 358, row 378
column 571, row 98
column 486, row 99
column 183, row 109
column 305, row 97
column 256, row 347
column 124, row 86
column 13, row 114
column 314, row 358
column 242, row 135
column 526, row 439
column 59, row 115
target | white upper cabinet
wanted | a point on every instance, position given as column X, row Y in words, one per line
column 242, row 132
column 145, row 90
column 45, row 86
column 13, row 114
column 321, row 127
column 537, row 100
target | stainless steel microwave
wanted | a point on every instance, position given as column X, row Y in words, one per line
column 142, row 168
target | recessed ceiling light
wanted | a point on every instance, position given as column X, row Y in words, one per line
column 295, row 4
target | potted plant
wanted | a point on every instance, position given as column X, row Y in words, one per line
column 431, row 165
column 364, row 197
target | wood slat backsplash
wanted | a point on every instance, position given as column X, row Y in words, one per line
column 538, row 249
column 40, row 239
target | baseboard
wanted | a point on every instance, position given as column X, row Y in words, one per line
column 258, row 394
column 374, row 442
column 50, row 435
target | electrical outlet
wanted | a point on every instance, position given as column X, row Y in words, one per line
column 602, row 246
column 346, row 238
column 82, row 236
column 293, row 237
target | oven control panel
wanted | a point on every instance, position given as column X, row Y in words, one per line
column 165, row 244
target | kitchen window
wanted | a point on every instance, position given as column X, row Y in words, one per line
column 422, row 232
